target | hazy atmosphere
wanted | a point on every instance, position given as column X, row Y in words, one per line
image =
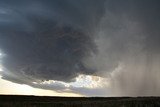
column 80, row 47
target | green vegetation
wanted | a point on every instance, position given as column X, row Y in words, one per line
column 35, row 101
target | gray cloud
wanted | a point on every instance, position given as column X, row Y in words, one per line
column 129, row 45
column 58, row 40
column 45, row 40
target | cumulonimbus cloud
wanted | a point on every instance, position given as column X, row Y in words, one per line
column 59, row 40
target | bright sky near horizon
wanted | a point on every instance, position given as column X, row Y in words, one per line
column 10, row 88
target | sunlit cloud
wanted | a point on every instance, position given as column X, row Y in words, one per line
column 85, row 81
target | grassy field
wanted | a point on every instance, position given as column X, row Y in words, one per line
column 36, row 101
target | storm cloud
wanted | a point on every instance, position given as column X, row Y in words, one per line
column 47, row 40
column 62, row 39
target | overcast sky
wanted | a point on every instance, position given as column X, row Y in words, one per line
column 81, row 47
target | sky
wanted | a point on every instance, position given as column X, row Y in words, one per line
column 80, row 47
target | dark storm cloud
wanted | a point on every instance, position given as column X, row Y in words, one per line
column 60, row 39
column 48, row 40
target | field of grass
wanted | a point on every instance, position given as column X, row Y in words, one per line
column 37, row 101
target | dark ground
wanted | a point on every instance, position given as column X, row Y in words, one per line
column 43, row 101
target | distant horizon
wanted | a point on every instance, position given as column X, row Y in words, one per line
column 83, row 96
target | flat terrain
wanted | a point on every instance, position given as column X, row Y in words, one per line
column 43, row 101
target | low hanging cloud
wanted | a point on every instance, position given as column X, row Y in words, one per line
column 43, row 47
column 60, row 40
